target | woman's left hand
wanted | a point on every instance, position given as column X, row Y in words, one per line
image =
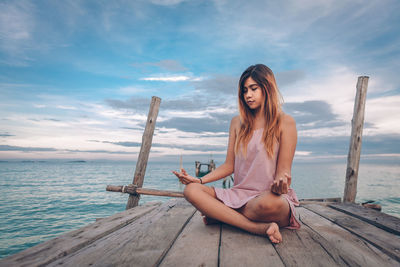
column 185, row 178
column 281, row 185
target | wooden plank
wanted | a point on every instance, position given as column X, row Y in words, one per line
column 132, row 189
column 353, row 158
column 329, row 199
column 379, row 219
column 161, row 193
column 197, row 245
column 386, row 242
column 239, row 248
column 70, row 242
column 353, row 250
column 141, row 243
column 147, row 138
column 304, row 247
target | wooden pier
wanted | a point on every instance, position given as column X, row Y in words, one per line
column 173, row 234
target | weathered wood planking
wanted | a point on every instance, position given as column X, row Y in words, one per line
column 329, row 199
column 141, row 243
column 70, row 242
column 304, row 247
column 354, row 250
column 379, row 219
column 173, row 234
column 387, row 242
column 197, row 245
column 239, row 248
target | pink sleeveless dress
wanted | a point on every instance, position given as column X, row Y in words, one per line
column 254, row 175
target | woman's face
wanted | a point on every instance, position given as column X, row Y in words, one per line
column 252, row 94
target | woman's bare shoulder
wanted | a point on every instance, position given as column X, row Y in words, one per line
column 235, row 123
column 287, row 122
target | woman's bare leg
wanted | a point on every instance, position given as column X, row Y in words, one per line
column 268, row 207
column 204, row 199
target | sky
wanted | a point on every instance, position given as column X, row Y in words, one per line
column 76, row 77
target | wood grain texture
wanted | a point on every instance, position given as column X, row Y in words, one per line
column 141, row 243
column 357, row 124
column 382, row 220
column 239, row 248
column 329, row 199
column 131, row 189
column 354, row 250
column 71, row 242
column 388, row 243
column 304, row 247
column 147, row 138
column 197, row 245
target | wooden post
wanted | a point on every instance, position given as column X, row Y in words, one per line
column 353, row 158
column 147, row 138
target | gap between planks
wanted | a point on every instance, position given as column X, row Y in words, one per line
column 386, row 242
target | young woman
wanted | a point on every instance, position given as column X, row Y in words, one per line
column 262, row 142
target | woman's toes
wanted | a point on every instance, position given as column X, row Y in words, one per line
column 209, row 221
column 273, row 233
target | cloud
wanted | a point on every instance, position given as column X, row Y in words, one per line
column 195, row 147
column 44, row 120
column 47, row 149
column 193, row 102
column 218, row 83
column 25, row 149
column 168, row 65
column 289, row 77
column 166, row 2
column 172, row 78
column 126, row 144
column 97, row 151
column 39, row 105
column 66, row 107
column 339, row 145
column 212, row 124
column 6, row 135
column 129, row 90
column 134, row 103
column 312, row 114
column 16, row 30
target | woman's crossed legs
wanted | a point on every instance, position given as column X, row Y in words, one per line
column 261, row 215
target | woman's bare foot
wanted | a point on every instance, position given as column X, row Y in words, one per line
column 209, row 221
column 273, row 233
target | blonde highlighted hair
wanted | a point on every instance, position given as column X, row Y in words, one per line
column 271, row 107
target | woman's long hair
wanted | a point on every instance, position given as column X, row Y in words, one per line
column 264, row 77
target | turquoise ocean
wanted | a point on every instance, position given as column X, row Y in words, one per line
column 40, row 200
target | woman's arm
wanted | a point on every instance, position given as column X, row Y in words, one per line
column 287, row 148
column 223, row 170
column 228, row 166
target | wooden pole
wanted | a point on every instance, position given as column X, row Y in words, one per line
column 147, row 138
column 353, row 158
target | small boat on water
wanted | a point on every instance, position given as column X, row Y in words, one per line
column 209, row 167
column 200, row 172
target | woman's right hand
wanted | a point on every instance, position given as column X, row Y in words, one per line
column 281, row 185
column 185, row 178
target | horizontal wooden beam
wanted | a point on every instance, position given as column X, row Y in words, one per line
column 330, row 199
column 134, row 190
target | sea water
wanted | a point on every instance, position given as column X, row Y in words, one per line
column 40, row 200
